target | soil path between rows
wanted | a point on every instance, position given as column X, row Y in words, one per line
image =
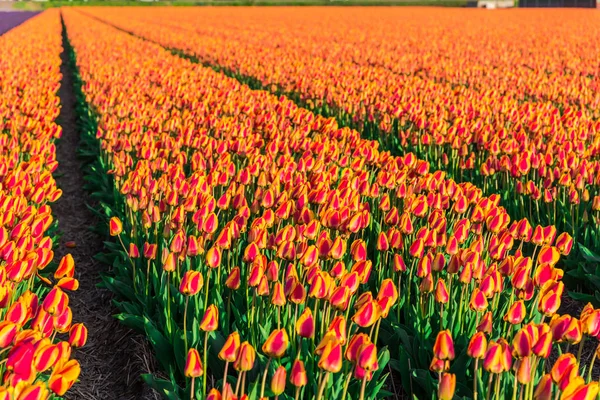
column 113, row 358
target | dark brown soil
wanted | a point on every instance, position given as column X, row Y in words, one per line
column 114, row 357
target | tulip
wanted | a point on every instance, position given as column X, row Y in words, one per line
column 230, row 349
column 331, row 357
column 298, row 376
column 115, row 226
column 245, row 359
column 516, row 313
column 447, row 386
column 193, row 364
column 477, row 346
column 443, row 347
column 78, row 335
column 276, row 344
column 191, row 283
column 64, row 377
column 367, row 357
column 210, row 321
column 543, row 390
column 305, row 324
column 278, row 381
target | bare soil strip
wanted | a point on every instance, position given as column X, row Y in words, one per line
column 114, row 357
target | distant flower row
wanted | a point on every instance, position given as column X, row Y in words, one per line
column 504, row 102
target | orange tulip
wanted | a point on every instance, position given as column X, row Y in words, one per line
column 115, row 226
column 193, row 364
column 276, row 344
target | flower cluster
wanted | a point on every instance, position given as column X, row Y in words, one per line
column 264, row 241
column 37, row 334
column 473, row 108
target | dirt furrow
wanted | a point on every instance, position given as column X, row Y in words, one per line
column 114, row 357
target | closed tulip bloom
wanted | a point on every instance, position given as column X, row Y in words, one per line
column 230, row 349
column 193, row 364
column 66, row 267
column 170, row 263
column 150, row 251
column 521, row 344
column 523, row 370
column 443, row 347
column 439, row 366
column 245, row 358
column 543, row 390
column 367, row 314
column 278, row 381
column 78, row 335
column 305, row 325
column 233, row 281
column 213, row 257
column 214, row 394
column 543, row 346
column 549, row 303
column 298, row 376
column 399, row 264
column 191, row 283
column 276, row 344
column 447, row 386
column 8, row 330
column 367, row 357
column 516, row 313
column 356, row 343
column 478, row 301
column 210, row 321
column 64, row 377
column 485, row 325
column 563, row 366
column 581, row 392
column 115, row 226
column 497, row 358
column 591, row 323
column 331, row 357
column 441, row 292
column 564, row 243
column 477, row 346
column 37, row 391
column 45, row 357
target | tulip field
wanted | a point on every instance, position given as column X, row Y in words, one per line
column 312, row 203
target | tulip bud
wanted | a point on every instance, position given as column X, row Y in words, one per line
column 78, row 335
column 193, row 364
column 543, row 390
column 367, row 358
column 230, row 349
column 516, row 313
column 276, row 344
column 443, row 347
column 115, row 226
column 210, row 321
column 477, row 346
column 278, row 381
column 331, row 357
column 447, row 386
column 191, row 283
column 305, row 325
column 298, row 376
column 245, row 358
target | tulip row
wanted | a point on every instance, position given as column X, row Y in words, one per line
column 36, row 330
column 258, row 239
column 494, row 121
